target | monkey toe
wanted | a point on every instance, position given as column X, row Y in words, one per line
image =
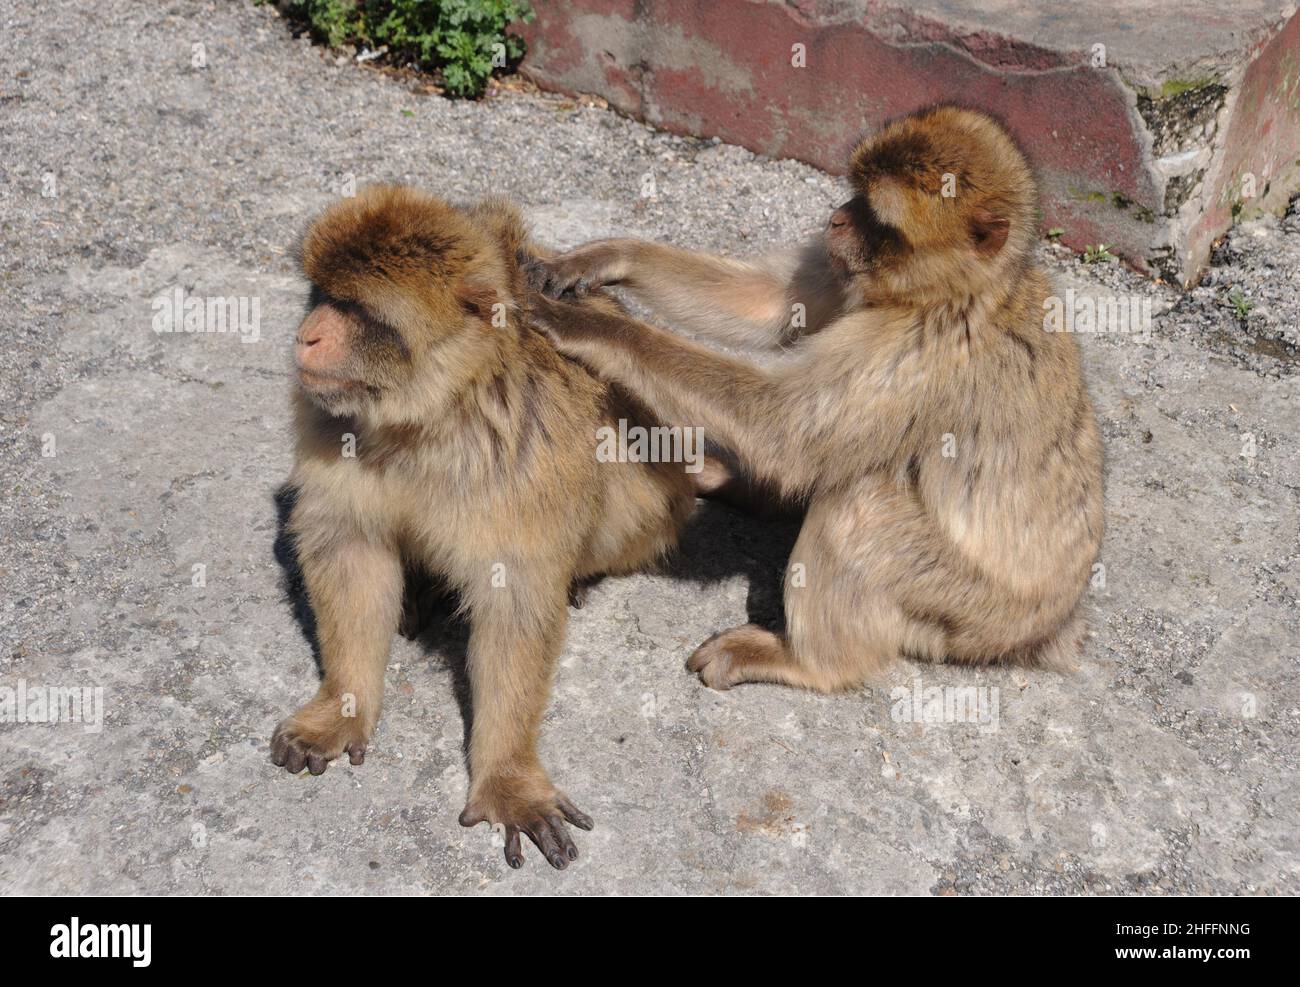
column 578, row 594
column 544, row 823
column 574, row 815
column 712, row 663
column 293, row 752
column 514, row 851
column 743, row 654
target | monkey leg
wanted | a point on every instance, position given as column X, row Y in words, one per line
column 516, row 632
column 844, row 624
column 355, row 588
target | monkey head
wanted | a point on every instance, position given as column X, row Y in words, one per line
column 944, row 206
column 396, row 275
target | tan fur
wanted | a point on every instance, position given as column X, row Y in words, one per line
column 924, row 335
column 474, row 458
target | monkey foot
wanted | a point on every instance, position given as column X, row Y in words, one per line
column 542, row 818
column 742, row 654
column 295, row 746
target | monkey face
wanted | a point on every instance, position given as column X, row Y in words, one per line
column 345, row 357
column 396, row 276
column 859, row 243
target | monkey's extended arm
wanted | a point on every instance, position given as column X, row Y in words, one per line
column 761, row 415
column 760, row 303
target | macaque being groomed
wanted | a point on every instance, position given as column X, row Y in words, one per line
column 943, row 439
column 435, row 428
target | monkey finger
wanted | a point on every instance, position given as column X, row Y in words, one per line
column 578, row 596
column 540, row 832
column 556, row 284
column 562, row 833
column 295, row 760
column 409, row 627
column 574, row 814
column 317, row 763
column 357, row 754
column 514, row 852
column 279, row 749
column 536, row 273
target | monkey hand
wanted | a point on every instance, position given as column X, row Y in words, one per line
column 527, row 804
column 535, row 270
column 555, row 318
column 564, row 322
column 580, row 271
column 316, row 734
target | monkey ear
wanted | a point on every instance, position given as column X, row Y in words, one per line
column 476, row 298
column 988, row 232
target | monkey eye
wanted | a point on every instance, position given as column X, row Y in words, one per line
column 353, row 310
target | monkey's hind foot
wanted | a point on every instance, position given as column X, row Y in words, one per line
column 532, row 806
column 749, row 654
column 298, row 742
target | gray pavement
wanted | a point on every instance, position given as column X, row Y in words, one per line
column 1166, row 764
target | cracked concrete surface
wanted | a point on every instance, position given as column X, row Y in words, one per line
column 1166, row 764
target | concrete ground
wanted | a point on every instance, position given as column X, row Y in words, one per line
column 1166, row 764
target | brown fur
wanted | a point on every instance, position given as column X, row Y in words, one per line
column 924, row 334
column 475, row 460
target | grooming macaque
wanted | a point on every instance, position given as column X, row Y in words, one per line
column 436, row 429
column 944, row 440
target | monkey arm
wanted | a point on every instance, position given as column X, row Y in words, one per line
column 355, row 589
column 738, row 404
column 761, row 303
column 517, row 630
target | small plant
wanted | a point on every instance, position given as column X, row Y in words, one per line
column 1097, row 255
column 1240, row 304
column 1055, row 232
column 466, row 40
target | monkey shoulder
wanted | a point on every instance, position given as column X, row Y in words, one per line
column 580, row 387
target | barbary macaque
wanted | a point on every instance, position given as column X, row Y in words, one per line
column 945, row 442
column 437, row 429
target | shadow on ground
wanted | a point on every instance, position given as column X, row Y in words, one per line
column 718, row 543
